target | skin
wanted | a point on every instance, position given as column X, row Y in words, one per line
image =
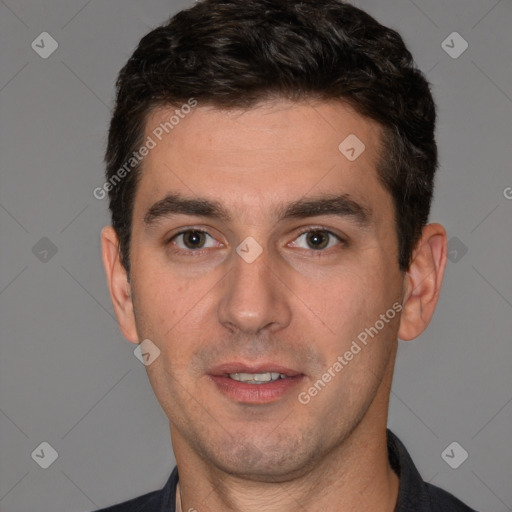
column 294, row 305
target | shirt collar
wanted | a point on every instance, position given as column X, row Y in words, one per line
column 412, row 494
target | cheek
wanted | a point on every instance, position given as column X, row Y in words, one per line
column 351, row 301
column 159, row 304
column 349, row 293
column 174, row 312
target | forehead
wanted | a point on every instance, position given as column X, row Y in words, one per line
column 271, row 153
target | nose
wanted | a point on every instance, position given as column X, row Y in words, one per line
column 254, row 296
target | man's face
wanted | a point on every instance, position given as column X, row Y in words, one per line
column 324, row 275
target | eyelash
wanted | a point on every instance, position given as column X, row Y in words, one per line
column 325, row 231
column 310, row 229
column 188, row 252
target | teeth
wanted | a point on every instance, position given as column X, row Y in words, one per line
column 257, row 378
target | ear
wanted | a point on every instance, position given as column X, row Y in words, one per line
column 422, row 283
column 118, row 284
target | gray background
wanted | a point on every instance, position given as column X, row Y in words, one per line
column 68, row 377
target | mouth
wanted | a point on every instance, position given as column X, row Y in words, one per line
column 251, row 384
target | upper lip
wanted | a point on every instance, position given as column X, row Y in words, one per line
column 235, row 367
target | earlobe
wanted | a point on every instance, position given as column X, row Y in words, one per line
column 118, row 284
column 423, row 282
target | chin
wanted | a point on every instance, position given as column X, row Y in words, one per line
column 271, row 463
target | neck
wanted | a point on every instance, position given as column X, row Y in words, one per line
column 362, row 482
column 367, row 484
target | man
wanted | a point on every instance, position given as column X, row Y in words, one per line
column 270, row 169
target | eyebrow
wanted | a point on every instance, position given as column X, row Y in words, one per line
column 341, row 205
column 174, row 204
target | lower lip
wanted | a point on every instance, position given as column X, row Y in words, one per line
column 255, row 393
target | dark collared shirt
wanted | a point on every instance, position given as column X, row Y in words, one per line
column 414, row 495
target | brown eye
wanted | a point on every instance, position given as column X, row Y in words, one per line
column 193, row 239
column 317, row 239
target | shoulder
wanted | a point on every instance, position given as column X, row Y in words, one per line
column 414, row 494
column 148, row 503
column 443, row 501
column 156, row 501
